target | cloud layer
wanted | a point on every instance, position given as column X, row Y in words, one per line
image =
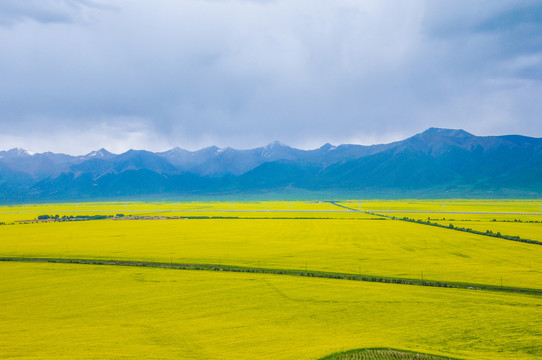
column 80, row 75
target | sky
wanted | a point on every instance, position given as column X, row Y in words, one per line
column 79, row 75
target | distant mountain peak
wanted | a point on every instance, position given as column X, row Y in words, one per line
column 221, row 150
column 327, row 147
column 447, row 132
column 102, row 153
column 15, row 153
column 434, row 160
column 436, row 141
column 276, row 144
column 273, row 148
column 212, row 148
column 175, row 151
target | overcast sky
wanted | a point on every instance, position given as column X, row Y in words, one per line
column 78, row 75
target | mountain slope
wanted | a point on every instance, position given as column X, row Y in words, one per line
column 432, row 162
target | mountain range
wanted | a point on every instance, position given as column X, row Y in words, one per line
column 435, row 163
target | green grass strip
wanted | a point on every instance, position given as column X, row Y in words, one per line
column 291, row 272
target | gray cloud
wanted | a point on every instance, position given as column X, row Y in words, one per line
column 242, row 73
column 45, row 11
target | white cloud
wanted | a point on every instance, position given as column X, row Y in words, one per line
column 243, row 73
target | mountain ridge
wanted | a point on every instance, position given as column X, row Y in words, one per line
column 436, row 160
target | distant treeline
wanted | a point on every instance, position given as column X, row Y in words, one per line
column 469, row 230
column 493, row 220
column 77, row 217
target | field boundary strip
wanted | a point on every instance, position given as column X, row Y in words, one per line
column 290, row 272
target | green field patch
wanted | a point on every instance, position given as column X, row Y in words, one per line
column 384, row 354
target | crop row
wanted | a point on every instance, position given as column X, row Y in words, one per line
column 383, row 354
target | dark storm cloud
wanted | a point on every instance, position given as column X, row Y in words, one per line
column 242, row 73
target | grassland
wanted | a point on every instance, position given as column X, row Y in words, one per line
column 166, row 313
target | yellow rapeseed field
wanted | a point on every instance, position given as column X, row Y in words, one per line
column 525, row 226
column 275, row 209
column 64, row 311
column 459, row 205
column 89, row 311
column 372, row 247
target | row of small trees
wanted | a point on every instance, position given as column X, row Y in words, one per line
column 77, row 217
column 469, row 230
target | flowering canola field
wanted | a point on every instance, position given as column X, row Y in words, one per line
column 90, row 311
